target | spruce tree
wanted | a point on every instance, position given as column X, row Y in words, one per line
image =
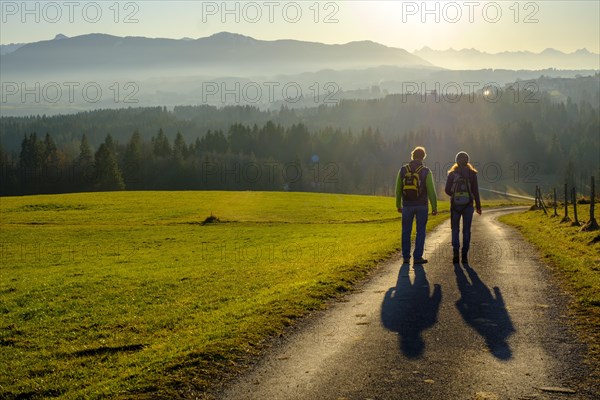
column 108, row 174
column 132, row 159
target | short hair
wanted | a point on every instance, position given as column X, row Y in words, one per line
column 418, row 153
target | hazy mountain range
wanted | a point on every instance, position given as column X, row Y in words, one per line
column 222, row 53
column 475, row 59
column 227, row 53
column 139, row 71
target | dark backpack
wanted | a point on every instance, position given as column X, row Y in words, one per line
column 412, row 187
column 461, row 191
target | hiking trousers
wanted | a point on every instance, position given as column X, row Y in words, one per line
column 409, row 214
column 467, row 217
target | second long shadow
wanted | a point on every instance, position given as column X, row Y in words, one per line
column 484, row 311
column 409, row 309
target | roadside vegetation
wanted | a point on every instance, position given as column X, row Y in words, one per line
column 574, row 258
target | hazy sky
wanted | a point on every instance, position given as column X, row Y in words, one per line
column 487, row 26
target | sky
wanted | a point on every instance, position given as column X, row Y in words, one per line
column 485, row 25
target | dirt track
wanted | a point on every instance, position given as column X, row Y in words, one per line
column 495, row 329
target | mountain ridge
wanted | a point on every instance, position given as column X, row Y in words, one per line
column 287, row 51
column 522, row 59
column 226, row 51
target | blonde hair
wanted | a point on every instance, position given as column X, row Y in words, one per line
column 455, row 167
column 418, row 153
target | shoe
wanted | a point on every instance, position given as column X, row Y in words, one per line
column 420, row 261
column 455, row 258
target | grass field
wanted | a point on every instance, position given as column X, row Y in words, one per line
column 128, row 295
column 575, row 259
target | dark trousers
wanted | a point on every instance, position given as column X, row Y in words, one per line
column 467, row 217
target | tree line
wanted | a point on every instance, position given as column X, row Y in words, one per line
column 354, row 147
column 245, row 157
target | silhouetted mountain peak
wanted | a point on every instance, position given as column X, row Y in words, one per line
column 231, row 38
column 365, row 43
column 60, row 36
column 551, row 51
column 582, row 51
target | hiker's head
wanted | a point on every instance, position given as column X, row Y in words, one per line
column 462, row 158
column 418, row 154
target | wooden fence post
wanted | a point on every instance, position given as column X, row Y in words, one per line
column 566, row 217
column 555, row 205
column 592, row 224
column 542, row 204
column 574, row 197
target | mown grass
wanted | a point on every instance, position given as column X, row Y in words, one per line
column 129, row 295
column 574, row 257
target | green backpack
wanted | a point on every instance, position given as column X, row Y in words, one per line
column 461, row 191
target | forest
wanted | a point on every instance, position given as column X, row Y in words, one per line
column 517, row 139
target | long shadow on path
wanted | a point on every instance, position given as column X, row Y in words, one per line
column 486, row 313
column 409, row 310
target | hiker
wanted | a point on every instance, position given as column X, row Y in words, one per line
column 414, row 186
column 462, row 188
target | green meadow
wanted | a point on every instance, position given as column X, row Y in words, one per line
column 130, row 295
column 574, row 258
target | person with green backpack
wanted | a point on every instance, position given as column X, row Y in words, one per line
column 414, row 186
column 463, row 189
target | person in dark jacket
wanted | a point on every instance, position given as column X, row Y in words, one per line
column 463, row 190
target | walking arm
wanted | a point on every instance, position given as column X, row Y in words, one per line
column 475, row 190
column 431, row 194
column 399, row 188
